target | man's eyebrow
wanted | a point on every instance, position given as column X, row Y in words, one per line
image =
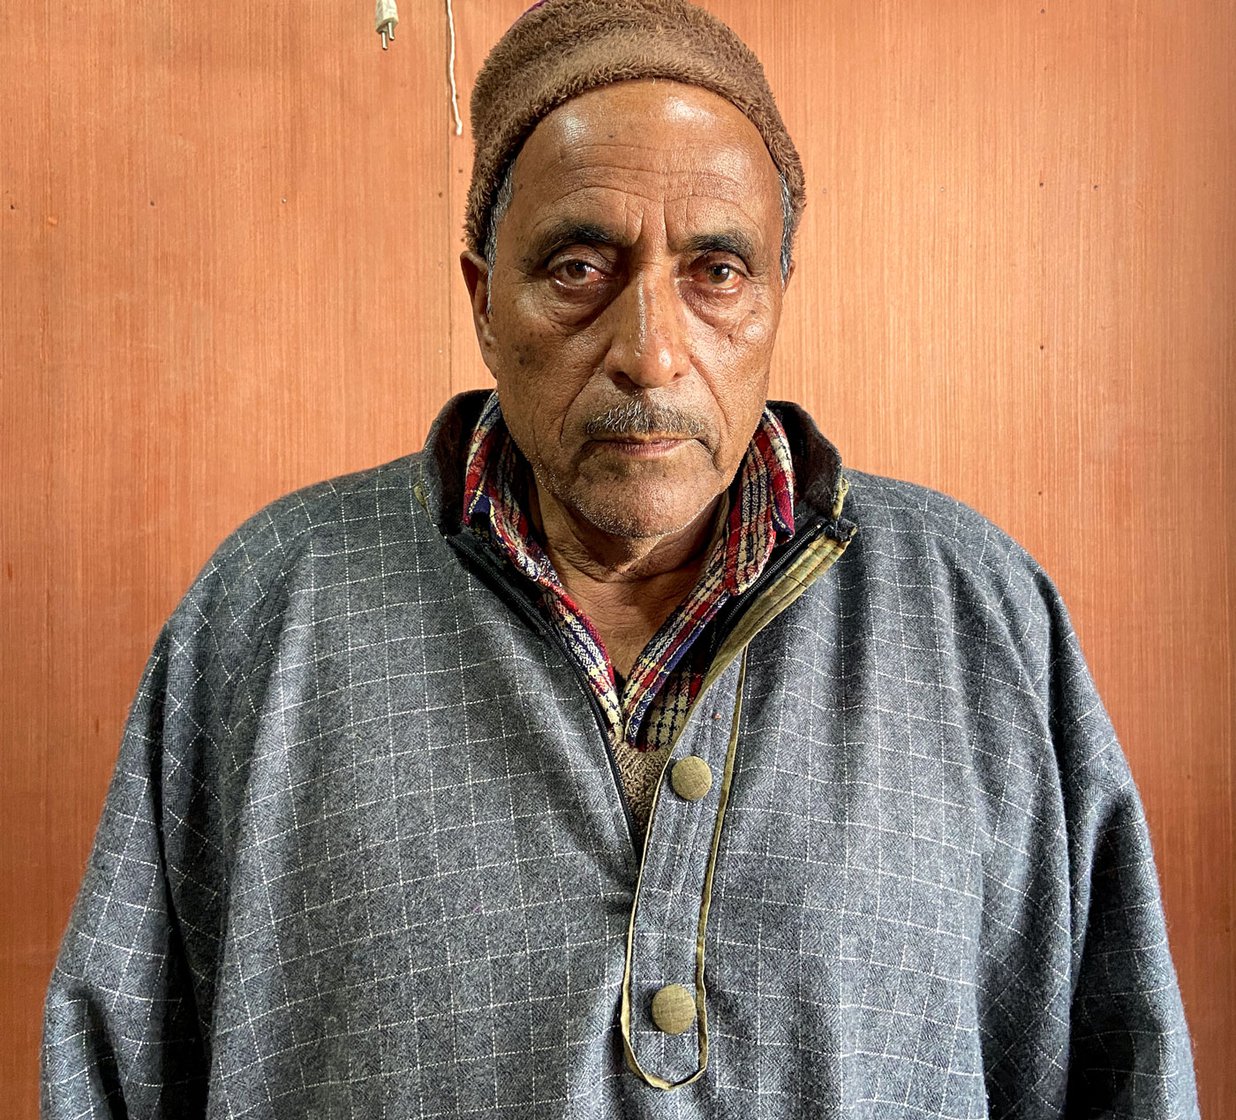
column 724, row 241
column 569, row 232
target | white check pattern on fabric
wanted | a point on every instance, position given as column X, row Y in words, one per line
column 365, row 854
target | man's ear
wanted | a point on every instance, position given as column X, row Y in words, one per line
column 476, row 278
column 789, row 275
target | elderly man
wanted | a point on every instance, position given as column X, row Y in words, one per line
column 618, row 755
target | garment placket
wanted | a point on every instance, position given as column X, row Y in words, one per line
column 664, row 1007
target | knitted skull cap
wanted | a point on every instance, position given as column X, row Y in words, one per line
column 562, row 48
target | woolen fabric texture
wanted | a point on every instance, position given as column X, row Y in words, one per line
column 563, row 48
column 365, row 853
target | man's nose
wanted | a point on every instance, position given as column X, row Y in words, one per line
column 648, row 346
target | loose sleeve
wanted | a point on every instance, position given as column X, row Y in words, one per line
column 1080, row 1011
column 1129, row 1052
column 122, row 1035
column 132, row 996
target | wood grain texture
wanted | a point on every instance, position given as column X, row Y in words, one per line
column 228, row 267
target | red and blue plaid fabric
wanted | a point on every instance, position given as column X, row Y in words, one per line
column 664, row 681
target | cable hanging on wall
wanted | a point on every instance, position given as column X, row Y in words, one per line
column 450, row 24
column 385, row 19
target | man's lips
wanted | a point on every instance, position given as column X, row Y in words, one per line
column 643, row 446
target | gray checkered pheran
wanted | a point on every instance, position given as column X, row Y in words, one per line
column 365, row 854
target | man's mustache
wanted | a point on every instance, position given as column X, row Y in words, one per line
column 641, row 417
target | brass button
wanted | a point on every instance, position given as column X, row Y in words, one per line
column 691, row 777
column 673, row 1009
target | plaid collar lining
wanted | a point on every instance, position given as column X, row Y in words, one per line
column 761, row 514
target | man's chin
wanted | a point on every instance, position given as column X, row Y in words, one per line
column 640, row 513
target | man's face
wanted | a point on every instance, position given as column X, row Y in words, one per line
column 631, row 312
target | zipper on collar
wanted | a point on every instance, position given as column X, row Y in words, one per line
column 729, row 615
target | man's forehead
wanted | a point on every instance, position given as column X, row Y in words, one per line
column 656, row 122
column 638, row 143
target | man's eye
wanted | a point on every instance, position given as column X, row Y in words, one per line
column 575, row 272
column 721, row 275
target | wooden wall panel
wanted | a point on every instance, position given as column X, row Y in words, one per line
column 225, row 260
column 228, row 247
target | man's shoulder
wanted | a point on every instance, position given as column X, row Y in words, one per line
column 349, row 508
column 411, row 494
column 343, row 535
column 891, row 514
column 931, row 517
column 925, row 541
column 327, row 531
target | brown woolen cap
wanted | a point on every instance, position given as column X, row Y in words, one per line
column 562, row 48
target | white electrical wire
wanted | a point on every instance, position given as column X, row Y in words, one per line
column 385, row 17
column 450, row 23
